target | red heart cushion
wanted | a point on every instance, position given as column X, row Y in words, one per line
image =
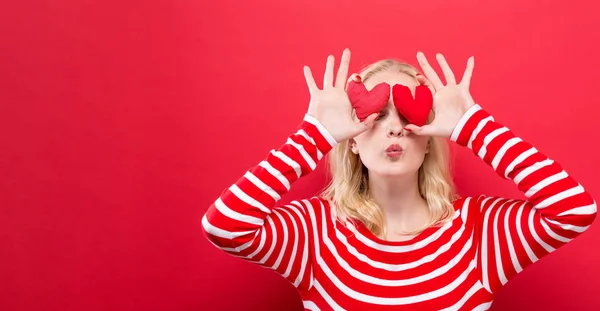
column 415, row 110
column 367, row 102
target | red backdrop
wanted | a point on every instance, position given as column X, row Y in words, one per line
column 122, row 121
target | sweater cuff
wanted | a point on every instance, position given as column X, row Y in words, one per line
column 469, row 125
column 323, row 139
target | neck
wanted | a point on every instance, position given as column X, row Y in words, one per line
column 402, row 205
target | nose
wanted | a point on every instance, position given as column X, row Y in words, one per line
column 395, row 128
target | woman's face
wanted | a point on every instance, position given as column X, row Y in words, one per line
column 371, row 145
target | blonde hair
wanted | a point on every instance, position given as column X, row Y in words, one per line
column 348, row 189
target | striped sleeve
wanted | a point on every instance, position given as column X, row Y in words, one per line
column 512, row 234
column 245, row 221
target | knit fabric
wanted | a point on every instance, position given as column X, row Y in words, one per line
column 343, row 266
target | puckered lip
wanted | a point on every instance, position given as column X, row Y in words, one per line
column 394, row 147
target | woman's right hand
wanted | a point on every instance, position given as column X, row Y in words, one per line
column 331, row 105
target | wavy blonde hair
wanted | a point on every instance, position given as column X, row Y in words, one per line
column 348, row 188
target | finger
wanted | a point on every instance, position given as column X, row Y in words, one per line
column 355, row 77
column 425, row 130
column 328, row 78
column 466, row 79
column 342, row 73
column 366, row 124
column 310, row 81
column 429, row 72
column 423, row 81
column 448, row 74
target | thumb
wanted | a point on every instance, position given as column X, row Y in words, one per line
column 425, row 130
column 366, row 124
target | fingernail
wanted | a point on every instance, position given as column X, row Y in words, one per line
column 407, row 129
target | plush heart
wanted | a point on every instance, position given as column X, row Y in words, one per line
column 415, row 110
column 366, row 102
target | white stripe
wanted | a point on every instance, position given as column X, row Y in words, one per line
column 276, row 173
column 474, row 289
column 496, row 239
column 554, row 234
column 240, row 194
column 534, row 167
column 225, row 210
column 574, row 228
column 398, row 300
column 327, row 298
column 498, row 157
column 463, row 120
column 388, row 301
column 295, row 248
column 545, row 183
column 547, row 247
column 518, row 161
column 464, row 210
column 309, row 305
column 524, row 242
column 488, row 139
column 273, row 241
column 304, row 262
column 317, row 285
column 234, row 250
column 287, row 160
column 484, row 246
column 262, row 186
column 312, row 120
column 285, row 240
column 312, row 141
column 401, row 248
column 511, row 246
column 303, row 153
column 482, row 204
column 478, row 129
column 397, row 267
column 483, row 306
column 561, row 196
column 218, row 232
column 581, row 210
column 263, row 239
column 316, row 241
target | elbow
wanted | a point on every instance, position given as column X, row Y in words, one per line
column 584, row 216
column 214, row 235
column 589, row 212
column 593, row 212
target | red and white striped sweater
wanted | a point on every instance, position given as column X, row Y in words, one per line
column 460, row 266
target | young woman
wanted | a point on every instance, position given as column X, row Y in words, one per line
column 389, row 232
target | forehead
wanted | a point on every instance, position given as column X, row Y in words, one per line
column 391, row 78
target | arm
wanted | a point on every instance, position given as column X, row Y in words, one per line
column 245, row 221
column 513, row 234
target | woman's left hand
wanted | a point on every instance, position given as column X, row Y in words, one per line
column 450, row 101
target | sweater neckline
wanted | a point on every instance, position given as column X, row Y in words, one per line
column 429, row 231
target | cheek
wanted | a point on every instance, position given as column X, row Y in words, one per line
column 365, row 137
column 367, row 149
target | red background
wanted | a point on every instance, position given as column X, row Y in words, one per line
column 122, row 121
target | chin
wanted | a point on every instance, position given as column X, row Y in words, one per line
column 394, row 169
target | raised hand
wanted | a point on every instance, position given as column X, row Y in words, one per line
column 450, row 101
column 331, row 105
